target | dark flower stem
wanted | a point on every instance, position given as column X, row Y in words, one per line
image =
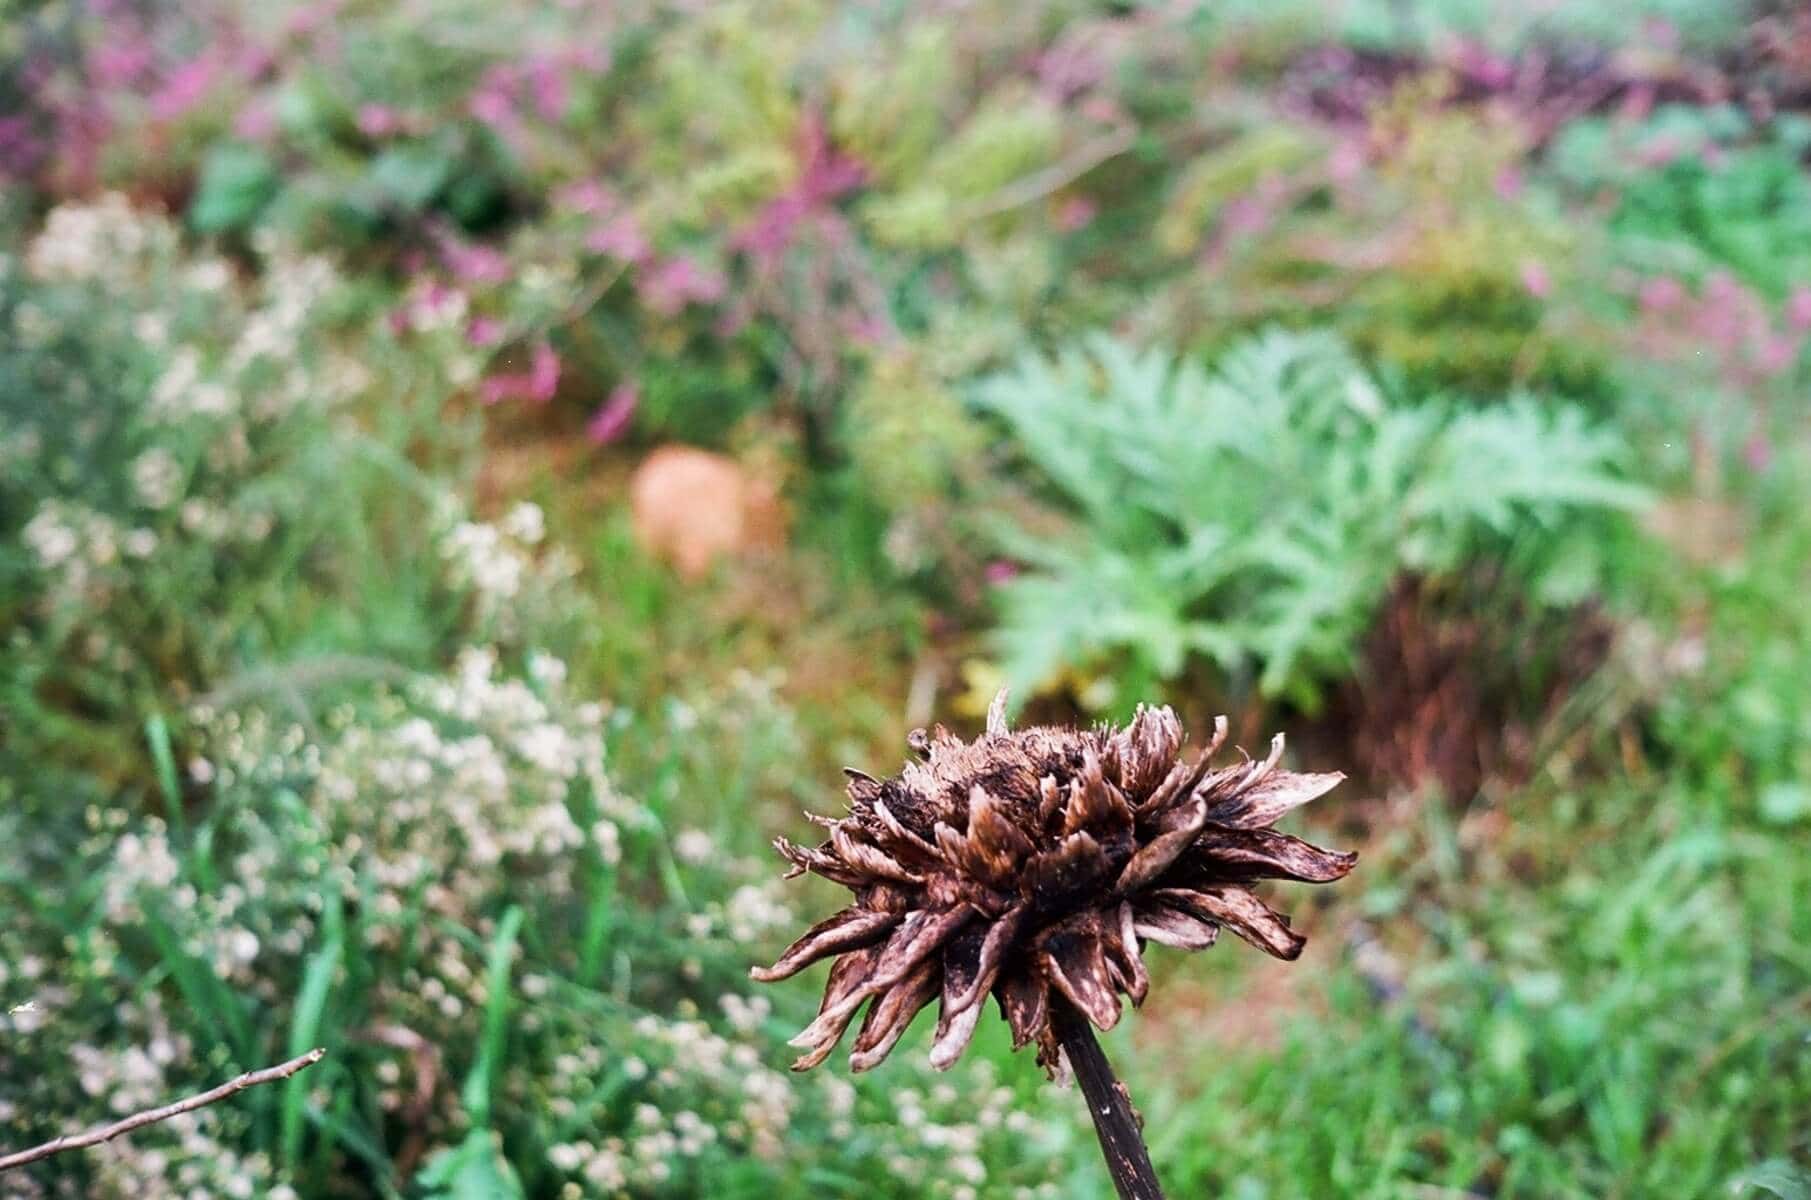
column 1128, row 1162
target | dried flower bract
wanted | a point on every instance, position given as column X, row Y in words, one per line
column 1035, row 866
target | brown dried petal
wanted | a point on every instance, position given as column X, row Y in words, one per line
column 961, row 853
column 818, row 862
column 1095, row 804
column 1160, row 853
column 1246, row 915
column 1261, row 770
column 1075, row 865
column 1119, row 939
column 917, row 938
column 1050, row 800
column 996, row 715
column 905, row 844
column 1001, row 934
column 890, row 1014
column 961, row 972
column 871, row 861
column 1267, row 854
column 1184, row 779
column 1025, row 1003
column 850, row 929
column 863, row 788
column 1076, row 966
column 912, row 942
column 994, row 833
column 1147, row 748
column 1272, row 799
column 1169, row 926
column 847, row 975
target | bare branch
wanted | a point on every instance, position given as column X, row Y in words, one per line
column 106, row 1133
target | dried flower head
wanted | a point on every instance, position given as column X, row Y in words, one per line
column 1035, row 865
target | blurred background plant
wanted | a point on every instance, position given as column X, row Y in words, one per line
column 470, row 473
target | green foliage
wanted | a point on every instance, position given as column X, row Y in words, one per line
column 1257, row 515
column 1614, row 1015
column 296, row 750
column 1700, row 189
column 191, row 478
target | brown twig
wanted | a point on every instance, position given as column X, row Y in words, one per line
column 1115, row 1122
column 106, row 1133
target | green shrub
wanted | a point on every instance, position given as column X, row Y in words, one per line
column 1700, row 188
column 197, row 479
column 1256, row 516
column 526, row 987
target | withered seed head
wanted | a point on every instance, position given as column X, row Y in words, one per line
column 1044, row 859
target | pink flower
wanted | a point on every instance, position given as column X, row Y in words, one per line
column 484, row 331
column 1075, row 213
column 1798, row 309
column 378, row 120
column 548, row 83
column 473, row 262
column 493, row 101
column 620, row 237
column 185, row 88
column 1536, row 280
column 1777, row 353
column 1757, row 452
column 120, row 64
column 824, row 174
column 1508, row 184
column 1658, row 152
column 255, row 122
column 1661, row 293
column 537, row 384
column 612, row 417
column 1000, row 571
column 679, row 281
column 587, row 196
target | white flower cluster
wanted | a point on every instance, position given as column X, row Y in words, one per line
column 704, row 1093
column 505, row 567
column 83, row 553
column 90, row 242
column 752, row 912
column 188, row 1156
column 694, row 1091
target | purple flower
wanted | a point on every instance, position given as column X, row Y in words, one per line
column 493, row 101
column 537, row 384
column 1798, row 309
column 612, row 417
column 1536, row 280
column 548, row 83
column 1661, row 293
column 587, row 196
column 620, row 237
column 120, row 64
column 1075, row 213
column 185, row 88
column 824, row 174
column 378, row 120
column 472, row 262
column 1757, row 452
column 255, row 122
column 678, row 281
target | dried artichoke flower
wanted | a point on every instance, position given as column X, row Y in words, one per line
column 1035, row 865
